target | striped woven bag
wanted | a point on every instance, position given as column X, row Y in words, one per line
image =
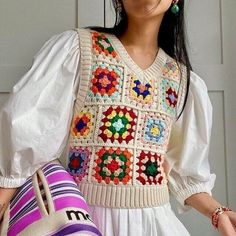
column 48, row 204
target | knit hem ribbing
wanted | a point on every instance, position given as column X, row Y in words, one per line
column 124, row 196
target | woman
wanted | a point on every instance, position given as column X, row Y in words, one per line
column 132, row 91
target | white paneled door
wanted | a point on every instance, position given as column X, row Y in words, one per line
column 25, row 25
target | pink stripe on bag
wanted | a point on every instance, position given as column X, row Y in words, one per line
column 67, row 201
column 59, row 176
column 21, row 224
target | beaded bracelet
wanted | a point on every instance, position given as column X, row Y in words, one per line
column 215, row 215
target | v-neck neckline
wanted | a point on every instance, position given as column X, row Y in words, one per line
column 154, row 68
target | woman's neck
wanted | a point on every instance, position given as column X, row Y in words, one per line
column 141, row 34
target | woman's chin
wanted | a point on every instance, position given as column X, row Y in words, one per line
column 146, row 8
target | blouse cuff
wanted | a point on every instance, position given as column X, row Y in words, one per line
column 6, row 182
column 182, row 194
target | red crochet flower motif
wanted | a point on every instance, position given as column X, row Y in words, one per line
column 149, row 168
column 118, row 124
column 113, row 165
column 78, row 162
column 104, row 81
column 169, row 95
column 172, row 97
column 101, row 44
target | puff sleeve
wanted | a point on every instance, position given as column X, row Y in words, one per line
column 34, row 122
column 188, row 148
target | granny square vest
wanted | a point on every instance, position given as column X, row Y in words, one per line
column 121, row 123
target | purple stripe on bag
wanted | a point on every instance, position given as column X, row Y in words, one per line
column 53, row 170
column 24, row 222
column 67, row 201
column 28, row 209
column 70, row 229
column 48, row 166
column 22, row 202
column 24, row 188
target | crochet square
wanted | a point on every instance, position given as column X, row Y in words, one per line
column 83, row 123
column 149, row 168
column 102, row 45
column 139, row 93
column 171, row 69
column 113, row 166
column 78, row 162
column 168, row 96
column 154, row 131
column 106, row 82
column 117, row 125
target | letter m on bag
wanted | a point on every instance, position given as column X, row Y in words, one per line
column 77, row 215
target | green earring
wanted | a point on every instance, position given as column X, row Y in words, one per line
column 175, row 7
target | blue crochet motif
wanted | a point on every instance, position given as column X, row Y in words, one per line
column 155, row 131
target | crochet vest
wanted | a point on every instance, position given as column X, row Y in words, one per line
column 121, row 124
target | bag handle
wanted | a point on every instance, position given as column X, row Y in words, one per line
column 50, row 204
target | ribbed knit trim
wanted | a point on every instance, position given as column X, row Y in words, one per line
column 124, row 196
column 182, row 90
column 86, row 62
column 153, row 69
column 183, row 194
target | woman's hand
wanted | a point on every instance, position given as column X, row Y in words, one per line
column 5, row 197
column 227, row 223
column 206, row 204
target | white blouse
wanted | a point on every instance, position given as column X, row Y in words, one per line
column 35, row 122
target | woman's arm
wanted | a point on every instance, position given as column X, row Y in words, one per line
column 39, row 109
column 6, row 195
column 206, row 204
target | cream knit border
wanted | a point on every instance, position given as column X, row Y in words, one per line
column 124, row 196
column 86, row 63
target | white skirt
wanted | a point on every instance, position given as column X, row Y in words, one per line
column 156, row 221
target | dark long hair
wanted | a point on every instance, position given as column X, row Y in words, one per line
column 171, row 37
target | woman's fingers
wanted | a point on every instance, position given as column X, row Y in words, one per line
column 232, row 217
column 225, row 226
